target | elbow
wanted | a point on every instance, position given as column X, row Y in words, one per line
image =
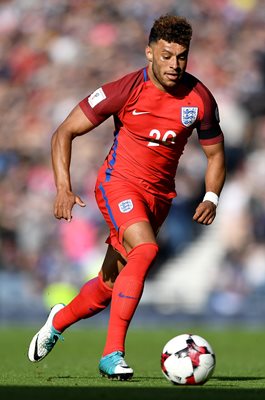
column 60, row 136
column 55, row 140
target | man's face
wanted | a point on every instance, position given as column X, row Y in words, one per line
column 168, row 63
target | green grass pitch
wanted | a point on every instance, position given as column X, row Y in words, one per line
column 70, row 371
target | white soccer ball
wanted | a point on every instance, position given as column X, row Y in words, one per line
column 188, row 360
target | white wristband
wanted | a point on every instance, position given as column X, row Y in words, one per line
column 211, row 196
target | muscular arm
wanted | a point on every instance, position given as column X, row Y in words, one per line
column 214, row 181
column 76, row 124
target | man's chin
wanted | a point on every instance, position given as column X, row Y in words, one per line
column 171, row 83
column 173, row 80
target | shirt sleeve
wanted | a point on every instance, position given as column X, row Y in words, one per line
column 208, row 128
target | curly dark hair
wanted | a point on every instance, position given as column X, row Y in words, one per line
column 171, row 28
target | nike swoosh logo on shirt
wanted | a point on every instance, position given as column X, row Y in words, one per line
column 140, row 112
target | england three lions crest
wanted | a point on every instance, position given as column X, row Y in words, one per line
column 188, row 115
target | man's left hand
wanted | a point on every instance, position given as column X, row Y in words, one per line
column 205, row 213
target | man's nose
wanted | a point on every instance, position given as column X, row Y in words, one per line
column 174, row 63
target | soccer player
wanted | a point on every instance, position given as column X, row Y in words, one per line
column 155, row 110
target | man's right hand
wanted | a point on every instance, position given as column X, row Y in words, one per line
column 64, row 203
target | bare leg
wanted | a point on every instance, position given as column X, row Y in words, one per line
column 138, row 233
column 112, row 266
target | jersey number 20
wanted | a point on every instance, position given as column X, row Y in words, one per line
column 156, row 135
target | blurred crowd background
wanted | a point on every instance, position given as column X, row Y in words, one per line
column 55, row 52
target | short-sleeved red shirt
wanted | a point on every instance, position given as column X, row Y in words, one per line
column 152, row 127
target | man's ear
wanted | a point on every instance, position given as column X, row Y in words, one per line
column 149, row 53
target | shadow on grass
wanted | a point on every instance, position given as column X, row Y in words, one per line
column 155, row 378
column 131, row 393
column 238, row 378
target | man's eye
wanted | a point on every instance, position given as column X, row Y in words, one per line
column 184, row 57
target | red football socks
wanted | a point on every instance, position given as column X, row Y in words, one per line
column 127, row 292
column 93, row 297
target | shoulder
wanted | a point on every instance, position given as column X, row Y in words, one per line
column 198, row 87
column 110, row 98
column 208, row 126
column 126, row 82
column 118, row 92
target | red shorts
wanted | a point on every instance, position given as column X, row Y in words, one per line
column 122, row 204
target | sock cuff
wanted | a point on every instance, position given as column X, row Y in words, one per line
column 155, row 245
column 102, row 283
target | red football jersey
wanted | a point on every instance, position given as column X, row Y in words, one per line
column 152, row 127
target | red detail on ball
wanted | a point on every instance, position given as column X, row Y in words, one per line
column 191, row 380
column 164, row 356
